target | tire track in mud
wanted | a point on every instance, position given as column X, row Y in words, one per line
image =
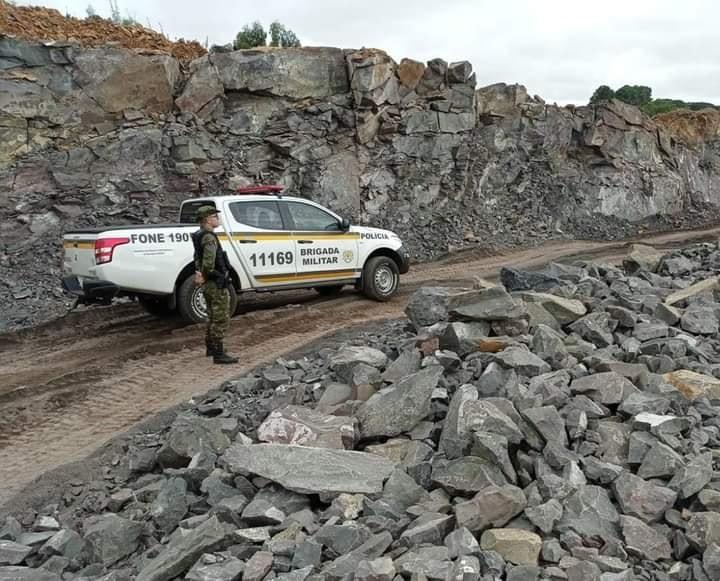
column 68, row 386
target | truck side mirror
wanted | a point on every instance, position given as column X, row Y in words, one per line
column 344, row 224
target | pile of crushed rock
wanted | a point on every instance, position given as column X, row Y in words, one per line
column 562, row 425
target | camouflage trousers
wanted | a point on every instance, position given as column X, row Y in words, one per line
column 218, row 308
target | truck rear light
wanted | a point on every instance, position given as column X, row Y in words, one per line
column 104, row 248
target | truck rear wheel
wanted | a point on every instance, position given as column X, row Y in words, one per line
column 380, row 278
column 191, row 301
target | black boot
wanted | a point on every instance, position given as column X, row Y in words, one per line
column 209, row 348
column 219, row 356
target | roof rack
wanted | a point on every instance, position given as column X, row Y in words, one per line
column 255, row 190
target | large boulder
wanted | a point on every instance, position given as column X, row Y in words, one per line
column 311, row 470
column 118, row 79
column 295, row 73
column 400, row 407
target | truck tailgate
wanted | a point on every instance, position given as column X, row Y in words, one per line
column 79, row 254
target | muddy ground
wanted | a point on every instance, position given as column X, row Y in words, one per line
column 68, row 387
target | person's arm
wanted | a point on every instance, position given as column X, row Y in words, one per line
column 209, row 249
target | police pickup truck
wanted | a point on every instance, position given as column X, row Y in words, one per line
column 273, row 241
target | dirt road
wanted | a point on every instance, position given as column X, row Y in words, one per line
column 69, row 386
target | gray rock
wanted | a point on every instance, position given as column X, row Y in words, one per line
column 703, row 530
column 589, row 511
column 12, row 553
column 700, row 320
column 258, row 566
column 463, row 338
column 296, row 73
column 308, row 553
column 341, row 539
column 552, row 551
column 548, row 423
column 170, row 506
column 522, row 360
column 584, row 571
column 260, row 512
column 564, row 311
column 111, row 538
column 210, row 568
column 348, row 563
column 640, row 498
column 494, row 506
column 544, row 516
column 644, row 541
column 184, row 550
column 639, row 402
column 660, row 461
column 710, row 499
column 694, row 476
column 301, row 426
column 190, row 435
column 490, row 304
column 429, row 563
column 400, row 407
column 711, row 561
column 494, row 448
column 461, row 542
column 382, row 569
column 596, row 328
column 350, row 356
column 514, row 545
column 606, row 388
column 429, row 305
column 467, row 475
column 13, row 573
column 430, row 528
column 311, row 470
column 65, row 543
column 525, row 280
column 600, row 472
column 407, row 363
column 11, row 530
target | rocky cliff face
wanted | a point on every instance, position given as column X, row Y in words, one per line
column 109, row 135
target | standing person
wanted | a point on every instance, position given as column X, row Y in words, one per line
column 213, row 273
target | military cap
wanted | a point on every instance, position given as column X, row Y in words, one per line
column 205, row 211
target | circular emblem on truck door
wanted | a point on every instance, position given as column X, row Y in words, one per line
column 348, row 256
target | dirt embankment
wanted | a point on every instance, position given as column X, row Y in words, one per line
column 46, row 24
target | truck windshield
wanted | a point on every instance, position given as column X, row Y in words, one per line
column 188, row 210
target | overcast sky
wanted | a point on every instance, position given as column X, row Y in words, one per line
column 559, row 49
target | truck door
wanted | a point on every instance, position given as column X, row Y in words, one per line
column 322, row 250
column 260, row 235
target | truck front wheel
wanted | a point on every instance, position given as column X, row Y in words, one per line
column 380, row 278
column 191, row 301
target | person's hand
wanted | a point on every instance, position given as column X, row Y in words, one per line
column 199, row 278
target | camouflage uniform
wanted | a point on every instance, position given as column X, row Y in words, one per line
column 216, row 298
column 212, row 262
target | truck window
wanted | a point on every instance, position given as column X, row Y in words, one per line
column 188, row 210
column 261, row 214
column 307, row 217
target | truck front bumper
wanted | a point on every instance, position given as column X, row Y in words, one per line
column 90, row 291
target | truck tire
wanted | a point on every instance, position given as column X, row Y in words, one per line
column 328, row 291
column 156, row 306
column 380, row 278
column 191, row 302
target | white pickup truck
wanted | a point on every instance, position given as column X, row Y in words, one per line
column 274, row 242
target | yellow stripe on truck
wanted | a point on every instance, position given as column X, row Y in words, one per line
column 289, row 236
column 306, row 276
column 79, row 244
